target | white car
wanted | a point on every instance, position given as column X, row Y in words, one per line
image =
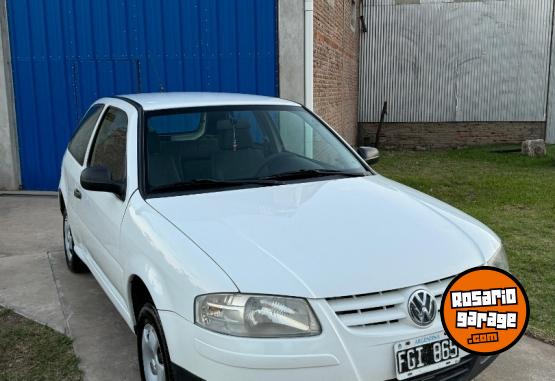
column 241, row 238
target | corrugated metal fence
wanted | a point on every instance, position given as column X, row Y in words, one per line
column 446, row 61
column 67, row 53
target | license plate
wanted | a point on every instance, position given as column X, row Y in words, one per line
column 425, row 354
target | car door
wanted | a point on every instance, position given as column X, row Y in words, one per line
column 74, row 162
column 102, row 212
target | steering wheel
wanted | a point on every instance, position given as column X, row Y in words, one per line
column 270, row 159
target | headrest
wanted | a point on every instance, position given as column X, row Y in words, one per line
column 233, row 138
column 212, row 119
column 202, row 148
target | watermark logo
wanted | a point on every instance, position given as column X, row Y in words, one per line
column 485, row 310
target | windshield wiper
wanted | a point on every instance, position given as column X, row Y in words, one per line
column 211, row 183
column 308, row 173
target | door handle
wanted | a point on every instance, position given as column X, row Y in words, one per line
column 77, row 193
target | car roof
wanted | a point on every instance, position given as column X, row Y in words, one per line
column 159, row 101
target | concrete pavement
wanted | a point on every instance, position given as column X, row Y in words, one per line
column 35, row 283
column 29, row 228
column 529, row 359
column 101, row 339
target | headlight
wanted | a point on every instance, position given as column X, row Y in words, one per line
column 499, row 260
column 256, row 315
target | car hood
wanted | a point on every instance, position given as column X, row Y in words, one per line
column 331, row 237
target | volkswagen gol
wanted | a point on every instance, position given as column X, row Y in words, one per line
column 241, row 238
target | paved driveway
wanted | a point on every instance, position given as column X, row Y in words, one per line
column 35, row 283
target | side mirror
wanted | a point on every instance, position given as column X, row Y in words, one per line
column 99, row 179
column 370, row 155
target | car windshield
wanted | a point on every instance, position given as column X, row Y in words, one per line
column 257, row 145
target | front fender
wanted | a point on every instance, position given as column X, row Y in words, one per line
column 172, row 267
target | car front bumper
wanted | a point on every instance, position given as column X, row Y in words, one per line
column 337, row 354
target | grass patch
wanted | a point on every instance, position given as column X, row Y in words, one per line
column 511, row 193
column 32, row 351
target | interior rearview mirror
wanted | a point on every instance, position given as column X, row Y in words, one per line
column 370, row 155
column 99, row 179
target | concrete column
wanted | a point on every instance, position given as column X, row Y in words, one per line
column 9, row 158
column 291, row 50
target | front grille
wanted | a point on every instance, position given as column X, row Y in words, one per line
column 374, row 311
column 452, row 373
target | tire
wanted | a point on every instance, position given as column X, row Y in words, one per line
column 154, row 357
column 74, row 263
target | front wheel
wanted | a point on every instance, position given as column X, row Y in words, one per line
column 154, row 358
column 74, row 263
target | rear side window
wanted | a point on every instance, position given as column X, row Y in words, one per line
column 80, row 141
column 110, row 144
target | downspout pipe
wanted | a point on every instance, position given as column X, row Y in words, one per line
column 550, row 103
column 309, row 54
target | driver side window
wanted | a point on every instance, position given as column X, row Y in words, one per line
column 109, row 146
column 80, row 141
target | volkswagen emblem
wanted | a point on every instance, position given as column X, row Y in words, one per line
column 422, row 308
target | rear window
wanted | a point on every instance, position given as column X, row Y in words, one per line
column 230, row 143
column 175, row 123
column 80, row 141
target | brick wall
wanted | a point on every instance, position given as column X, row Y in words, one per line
column 336, row 47
column 336, row 57
column 451, row 135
